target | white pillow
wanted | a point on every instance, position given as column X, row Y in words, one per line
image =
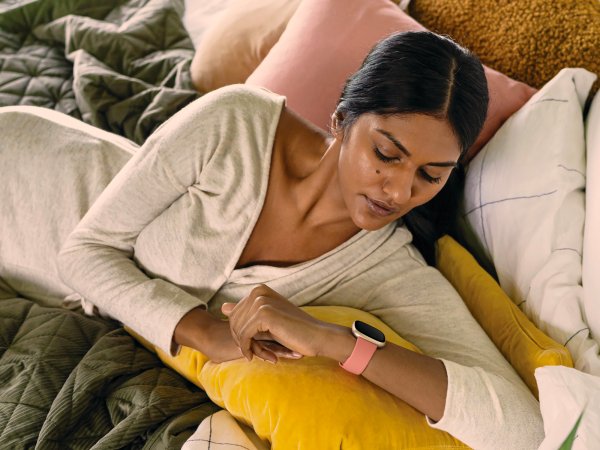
column 591, row 236
column 524, row 201
column 564, row 394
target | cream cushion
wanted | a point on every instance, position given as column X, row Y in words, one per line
column 591, row 240
column 237, row 40
column 524, row 203
column 564, row 394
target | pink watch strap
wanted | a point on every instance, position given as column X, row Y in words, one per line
column 360, row 357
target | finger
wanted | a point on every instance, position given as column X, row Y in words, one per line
column 263, row 353
column 247, row 350
column 255, row 325
column 264, row 337
column 238, row 316
column 245, row 309
column 227, row 308
column 280, row 350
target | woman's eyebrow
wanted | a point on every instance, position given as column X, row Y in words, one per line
column 404, row 150
column 395, row 141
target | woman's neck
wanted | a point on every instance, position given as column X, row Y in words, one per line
column 311, row 166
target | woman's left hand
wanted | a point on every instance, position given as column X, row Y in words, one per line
column 264, row 315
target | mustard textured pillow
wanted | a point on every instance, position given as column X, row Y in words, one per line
column 529, row 41
column 524, row 345
column 312, row 403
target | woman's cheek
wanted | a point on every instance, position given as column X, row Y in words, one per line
column 365, row 167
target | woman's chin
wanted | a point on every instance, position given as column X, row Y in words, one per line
column 369, row 223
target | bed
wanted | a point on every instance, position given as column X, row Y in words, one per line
column 71, row 380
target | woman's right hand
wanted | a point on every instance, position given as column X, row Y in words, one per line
column 200, row 330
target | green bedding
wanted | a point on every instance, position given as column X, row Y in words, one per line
column 72, row 381
column 121, row 65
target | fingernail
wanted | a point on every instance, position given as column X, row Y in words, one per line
column 296, row 355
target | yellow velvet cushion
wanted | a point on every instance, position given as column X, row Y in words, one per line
column 524, row 345
column 530, row 41
column 312, row 403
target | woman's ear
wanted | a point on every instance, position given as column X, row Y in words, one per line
column 335, row 127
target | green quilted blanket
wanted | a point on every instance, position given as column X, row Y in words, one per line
column 69, row 381
column 121, row 65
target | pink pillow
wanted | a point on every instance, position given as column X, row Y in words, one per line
column 327, row 40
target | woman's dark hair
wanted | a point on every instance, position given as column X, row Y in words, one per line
column 422, row 73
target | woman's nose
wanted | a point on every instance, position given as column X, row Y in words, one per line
column 398, row 187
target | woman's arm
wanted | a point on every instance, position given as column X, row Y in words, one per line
column 464, row 386
column 487, row 403
column 202, row 331
column 97, row 259
column 417, row 379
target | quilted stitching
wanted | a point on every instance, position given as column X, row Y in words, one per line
column 44, row 347
column 72, row 381
column 121, row 65
column 37, row 75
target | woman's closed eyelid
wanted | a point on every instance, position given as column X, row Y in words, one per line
column 429, row 178
column 387, row 160
column 381, row 156
column 387, row 156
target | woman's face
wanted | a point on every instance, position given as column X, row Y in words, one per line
column 398, row 162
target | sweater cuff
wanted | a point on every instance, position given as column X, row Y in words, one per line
column 174, row 348
column 156, row 318
column 446, row 420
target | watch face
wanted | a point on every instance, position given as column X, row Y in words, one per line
column 368, row 330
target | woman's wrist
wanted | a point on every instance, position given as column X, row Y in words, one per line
column 337, row 342
column 194, row 328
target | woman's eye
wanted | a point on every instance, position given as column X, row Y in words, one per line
column 429, row 178
column 424, row 175
column 381, row 156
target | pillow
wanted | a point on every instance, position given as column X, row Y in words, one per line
column 517, row 338
column 591, row 236
column 524, row 202
column 221, row 431
column 327, row 40
column 564, row 394
column 238, row 40
column 312, row 402
column 248, row 37
column 198, row 16
column 538, row 37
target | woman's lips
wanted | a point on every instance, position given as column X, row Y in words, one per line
column 378, row 210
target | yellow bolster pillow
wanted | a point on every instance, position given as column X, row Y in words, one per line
column 524, row 345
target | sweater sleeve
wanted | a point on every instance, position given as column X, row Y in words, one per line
column 97, row 259
column 487, row 405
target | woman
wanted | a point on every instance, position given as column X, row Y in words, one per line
column 237, row 199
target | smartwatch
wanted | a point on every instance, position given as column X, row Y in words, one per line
column 368, row 339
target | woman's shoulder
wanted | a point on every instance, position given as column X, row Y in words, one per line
column 242, row 96
column 223, row 112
